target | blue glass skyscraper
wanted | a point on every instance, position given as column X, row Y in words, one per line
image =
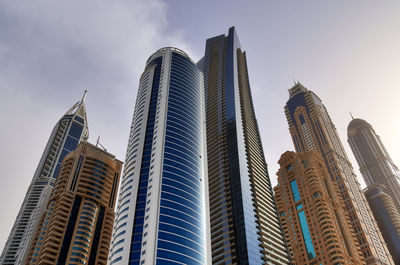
column 69, row 130
column 162, row 213
column 243, row 217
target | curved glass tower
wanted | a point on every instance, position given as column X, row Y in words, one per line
column 162, row 212
column 69, row 130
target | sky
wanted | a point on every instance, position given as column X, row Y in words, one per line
column 347, row 52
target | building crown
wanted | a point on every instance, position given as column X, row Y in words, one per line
column 297, row 88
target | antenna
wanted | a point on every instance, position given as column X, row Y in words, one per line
column 84, row 95
column 351, row 115
column 98, row 143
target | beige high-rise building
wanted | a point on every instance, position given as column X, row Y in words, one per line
column 312, row 215
column 311, row 128
column 65, row 136
column 77, row 225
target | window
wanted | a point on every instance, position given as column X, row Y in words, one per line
column 295, row 190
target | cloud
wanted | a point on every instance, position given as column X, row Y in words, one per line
column 50, row 51
column 70, row 42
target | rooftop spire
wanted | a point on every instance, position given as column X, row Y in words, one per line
column 84, row 96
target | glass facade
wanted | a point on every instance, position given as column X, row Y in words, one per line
column 242, row 211
column 303, row 221
column 167, row 222
column 180, row 235
column 66, row 134
column 295, row 190
column 306, row 234
column 145, row 167
column 71, row 142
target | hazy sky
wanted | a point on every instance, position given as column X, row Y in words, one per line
column 347, row 52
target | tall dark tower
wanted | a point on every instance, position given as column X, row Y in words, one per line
column 374, row 161
column 382, row 178
column 244, row 223
column 68, row 131
column 311, row 128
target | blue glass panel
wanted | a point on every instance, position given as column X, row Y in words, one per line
column 181, row 240
column 299, row 206
column 182, row 173
column 301, row 118
column 57, row 169
column 295, row 190
column 144, row 173
column 183, row 155
column 176, row 257
column 180, row 215
column 193, row 183
column 306, row 235
column 182, row 207
column 181, row 186
column 189, row 256
column 182, row 231
column 71, row 143
column 177, row 222
column 168, row 190
column 75, row 130
column 79, row 119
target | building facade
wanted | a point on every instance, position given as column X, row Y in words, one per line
column 387, row 216
column 162, row 210
column 244, row 224
column 375, row 164
column 311, row 128
column 312, row 214
column 77, row 225
column 69, row 130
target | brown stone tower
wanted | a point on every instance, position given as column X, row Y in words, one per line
column 77, row 225
column 311, row 128
column 311, row 211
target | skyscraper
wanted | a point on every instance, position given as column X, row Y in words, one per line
column 311, row 128
column 375, row 164
column 387, row 217
column 77, row 224
column 312, row 214
column 162, row 211
column 244, row 224
column 69, row 130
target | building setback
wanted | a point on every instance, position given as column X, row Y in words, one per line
column 387, row 217
column 162, row 211
column 311, row 128
column 375, row 164
column 311, row 212
column 244, row 224
column 66, row 134
column 77, row 224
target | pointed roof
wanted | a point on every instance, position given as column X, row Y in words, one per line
column 79, row 109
